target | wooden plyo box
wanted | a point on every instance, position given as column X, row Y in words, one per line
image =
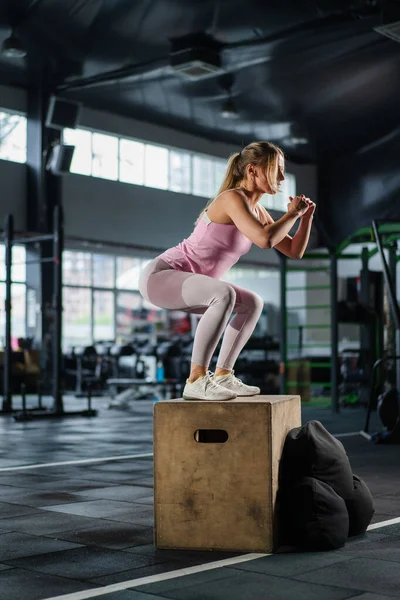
column 216, row 468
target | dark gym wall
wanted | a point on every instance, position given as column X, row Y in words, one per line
column 13, row 98
column 355, row 190
column 12, row 193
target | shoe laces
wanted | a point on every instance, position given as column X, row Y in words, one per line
column 234, row 380
column 210, row 382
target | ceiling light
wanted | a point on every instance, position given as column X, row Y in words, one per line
column 195, row 56
column 193, row 69
column 229, row 110
column 295, row 141
column 12, row 48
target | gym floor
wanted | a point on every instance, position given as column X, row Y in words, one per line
column 80, row 525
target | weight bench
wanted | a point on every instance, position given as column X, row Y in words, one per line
column 166, row 387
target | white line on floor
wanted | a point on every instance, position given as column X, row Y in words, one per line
column 384, row 523
column 339, row 435
column 76, row 462
column 94, row 593
column 116, row 587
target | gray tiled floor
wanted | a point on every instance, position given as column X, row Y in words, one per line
column 243, row 586
column 358, row 574
column 66, row 528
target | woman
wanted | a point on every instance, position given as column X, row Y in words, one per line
column 187, row 276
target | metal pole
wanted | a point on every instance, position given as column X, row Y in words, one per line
column 367, row 333
column 283, row 326
column 388, row 280
column 334, row 334
column 372, row 390
column 33, row 239
column 397, row 364
column 393, row 263
column 8, row 241
column 58, row 240
column 395, row 341
column 391, row 289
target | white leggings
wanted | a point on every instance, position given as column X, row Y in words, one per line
column 216, row 300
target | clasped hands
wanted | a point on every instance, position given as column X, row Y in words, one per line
column 302, row 205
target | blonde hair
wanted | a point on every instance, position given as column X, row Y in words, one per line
column 264, row 154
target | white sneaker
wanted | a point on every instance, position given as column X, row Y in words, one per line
column 230, row 382
column 206, row 388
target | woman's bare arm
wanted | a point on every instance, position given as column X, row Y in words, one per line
column 265, row 235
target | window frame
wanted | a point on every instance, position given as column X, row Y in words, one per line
column 189, row 153
column 98, row 288
column 21, row 114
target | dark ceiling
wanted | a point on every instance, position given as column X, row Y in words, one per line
column 314, row 71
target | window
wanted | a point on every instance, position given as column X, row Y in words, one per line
column 101, row 298
column 128, row 313
column 77, row 268
column 103, row 317
column 220, row 167
column 131, row 162
column 203, row 183
column 156, row 167
column 179, row 168
column 128, row 272
column 105, row 156
column 18, row 294
column 13, row 137
column 18, row 302
column 77, row 316
column 280, row 200
column 18, row 268
column 82, row 159
column 288, row 187
column 103, row 270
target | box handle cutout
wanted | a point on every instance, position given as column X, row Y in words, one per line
column 211, row 436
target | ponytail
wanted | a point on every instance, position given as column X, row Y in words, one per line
column 231, row 179
column 232, row 175
column 264, row 154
